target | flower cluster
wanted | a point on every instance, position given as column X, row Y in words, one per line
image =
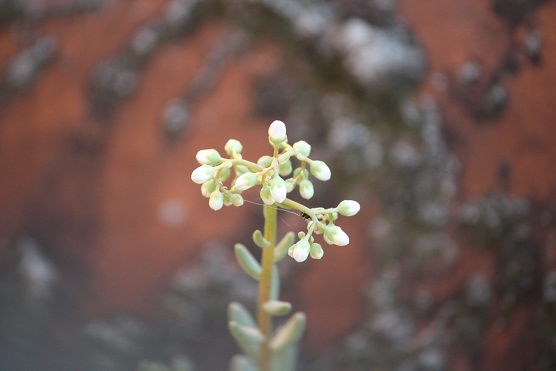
column 276, row 177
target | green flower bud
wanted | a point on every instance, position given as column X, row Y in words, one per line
column 290, row 184
column 224, row 174
column 302, row 147
column 240, row 169
column 266, row 196
column 348, row 207
column 233, row 146
column 236, row 199
column 306, row 189
column 316, row 251
column 264, row 161
column 285, row 168
column 208, row 187
column 301, row 173
column 226, row 199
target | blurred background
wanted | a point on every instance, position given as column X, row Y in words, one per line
column 437, row 116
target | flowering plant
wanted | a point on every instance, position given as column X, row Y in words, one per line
column 265, row 350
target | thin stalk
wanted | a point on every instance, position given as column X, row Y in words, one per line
column 264, row 318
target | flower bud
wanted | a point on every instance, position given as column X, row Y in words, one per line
column 266, row 196
column 334, row 235
column 320, row 170
column 208, row 187
column 227, row 199
column 285, row 168
column 348, row 207
column 302, row 147
column 208, row 157
column 224, row 174
column 245, row 181
column 233, row 146
column 203, row 174
column 316, row 251
column 240, row 169
column 306, row 189
column 236, row 199
column 216, row 200
column 290, row 184
column 278, row 189
column 277, row 132
column 264, row 161
column 300, row 250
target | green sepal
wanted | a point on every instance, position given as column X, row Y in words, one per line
column 259, row 239
column 289, row 334
column 246, row 261
column 277, row 307
column 281, row 249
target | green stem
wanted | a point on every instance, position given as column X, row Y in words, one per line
column 265, row 285
column 248, row 164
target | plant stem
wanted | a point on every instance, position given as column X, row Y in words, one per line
column 264, row 318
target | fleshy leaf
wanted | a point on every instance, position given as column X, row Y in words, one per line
column 249, row 264
column 282, row 247
column 277, row 307
column 259, row 239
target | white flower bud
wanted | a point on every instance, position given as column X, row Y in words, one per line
column 300, row 250
column 334, row 235
column 233, row 146
column 216, row 200
column 208, row 157
column 306, row 189
column 302, row 147
column 320, row 170
column 348, row 207
column 277, row 132
column 266, row 196
column 203, row 174
column 245, row 181
column 278, row 189
column 316, row 251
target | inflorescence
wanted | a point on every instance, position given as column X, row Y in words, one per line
column 277, row 178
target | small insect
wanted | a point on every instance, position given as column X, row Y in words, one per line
column 305, row 215
column 300, row 213
column 308, row 217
